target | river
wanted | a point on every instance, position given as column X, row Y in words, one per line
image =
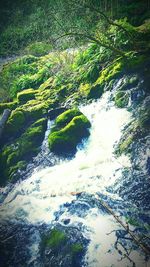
column 68, row 190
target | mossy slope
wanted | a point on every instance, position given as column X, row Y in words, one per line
column 15, row 157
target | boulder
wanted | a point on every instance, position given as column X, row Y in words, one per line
column 53, row 113
column 69, row 130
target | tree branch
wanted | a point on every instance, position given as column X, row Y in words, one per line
column 109, row 21
column 91, row 38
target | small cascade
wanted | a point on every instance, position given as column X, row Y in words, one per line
column 61, row 190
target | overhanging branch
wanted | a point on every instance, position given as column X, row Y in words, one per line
column 91, row 38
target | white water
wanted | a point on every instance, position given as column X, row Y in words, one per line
column 94, row 167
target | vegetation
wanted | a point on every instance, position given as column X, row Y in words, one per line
column 121, row 99
column 26, row 95
column 14, row 157
column 55, row 239
column 68, row 131
column 25, row 24
column 109, row 45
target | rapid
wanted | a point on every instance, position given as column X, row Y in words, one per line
column 67, row 192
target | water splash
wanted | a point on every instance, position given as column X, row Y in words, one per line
column 94, row 168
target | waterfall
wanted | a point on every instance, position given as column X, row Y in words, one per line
column 77, row 181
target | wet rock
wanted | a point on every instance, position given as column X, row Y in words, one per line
column 63, row 247
column 69, row 130
column 53, row 113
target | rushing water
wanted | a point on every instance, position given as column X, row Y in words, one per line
column 60, row 190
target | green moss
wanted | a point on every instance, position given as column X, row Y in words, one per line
column 14, row 156
column 13, row 171
column 67, row 138
column 26, row 95
column 63, row 119
column 121, row 99
column 76, row 249
column 133, row 221
column 138, row 128
column 110, row 72
column 35, row 110
column 47, row 84
column 15, row 122
column 144, row 119
column 95, row 92
column 55, row 239
column 124, row 146
column 9, row 105
column 84, row 89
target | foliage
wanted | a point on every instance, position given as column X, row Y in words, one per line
column 23, row 73
column 38, row 49
column 36, row 24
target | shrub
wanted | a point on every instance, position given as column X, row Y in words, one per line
column 38, row 48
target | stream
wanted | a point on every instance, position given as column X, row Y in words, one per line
column 66, row 193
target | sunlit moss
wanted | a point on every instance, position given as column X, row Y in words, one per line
column 14, row 156
column 15, row 122
column 67, row 138
column 10, row 105
column 26, row 95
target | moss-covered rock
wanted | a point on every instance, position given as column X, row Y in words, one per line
column 15, row 156
column 55, row 239
column 26, row 95
column 121, row 99
column 76, row 248
column 70, row 128
column 15, row 122
column 137, row 129
column 63, row 119
column 35, row 110
column 111, row 72
column 66, row 245
column 95, row 91
column 9, row 105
